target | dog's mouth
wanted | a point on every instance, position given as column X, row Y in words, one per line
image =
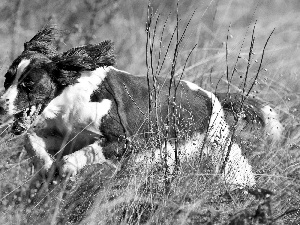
column 25, row 119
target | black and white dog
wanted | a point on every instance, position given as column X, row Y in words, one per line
column 90, row 112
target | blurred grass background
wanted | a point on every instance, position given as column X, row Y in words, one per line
column 92, row 21
column 124, row 22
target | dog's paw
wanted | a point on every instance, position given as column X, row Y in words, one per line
column 68, row 169
column 46, row 168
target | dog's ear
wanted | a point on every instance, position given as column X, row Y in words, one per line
column 44, row 41
column 102, row 53
column 88, row 57
column 85, row 58
column 75, row 63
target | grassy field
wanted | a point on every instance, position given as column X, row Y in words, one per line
column 137, row 193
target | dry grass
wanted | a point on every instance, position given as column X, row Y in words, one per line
column 137, row 194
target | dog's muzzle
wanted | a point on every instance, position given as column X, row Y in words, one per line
column 25, row 119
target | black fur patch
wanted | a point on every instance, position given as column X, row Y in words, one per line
column 88, row 57
column 84, row 58
column 102, row 54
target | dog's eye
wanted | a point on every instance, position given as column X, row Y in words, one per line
column 27, row 84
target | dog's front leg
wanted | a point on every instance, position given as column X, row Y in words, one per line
column 91, row 154
column 38, row 145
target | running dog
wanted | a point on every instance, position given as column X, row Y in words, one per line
column 76, row 106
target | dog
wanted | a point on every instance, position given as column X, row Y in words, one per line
column 77, row 106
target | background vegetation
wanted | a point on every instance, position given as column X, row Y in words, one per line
column 135, row 196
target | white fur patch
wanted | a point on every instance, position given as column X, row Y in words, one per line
column 158, row 156
column 187, row 150
column 72, row 109
column 92, row 154
column 273, row 126
column 21, row 67
column 38, row 146
column 218, row 130
column 9, row 97
column 237, row 169
column 193, row 145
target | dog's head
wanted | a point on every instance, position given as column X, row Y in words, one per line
column 40, row 73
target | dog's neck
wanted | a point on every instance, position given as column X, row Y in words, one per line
column 73, row 96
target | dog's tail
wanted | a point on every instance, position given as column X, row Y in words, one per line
column 254, row 112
